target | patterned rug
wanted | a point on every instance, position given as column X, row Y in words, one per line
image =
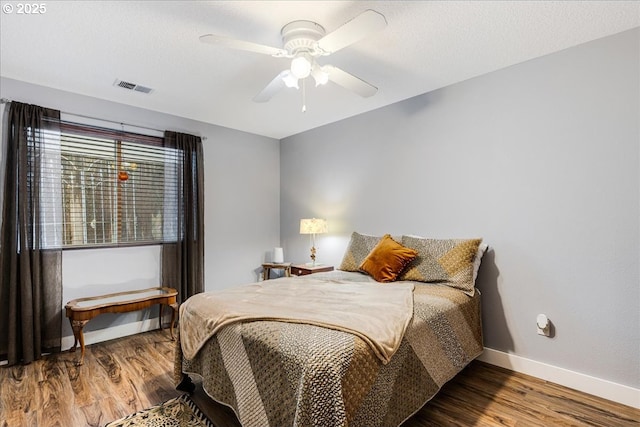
column 178, row 412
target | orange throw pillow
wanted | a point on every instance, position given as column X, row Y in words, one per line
column 387, row 260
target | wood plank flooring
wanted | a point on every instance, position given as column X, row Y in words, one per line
column 126, row 375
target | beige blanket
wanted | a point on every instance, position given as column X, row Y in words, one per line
column 378, row 314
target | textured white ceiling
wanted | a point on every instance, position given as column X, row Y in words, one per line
column 84, row 46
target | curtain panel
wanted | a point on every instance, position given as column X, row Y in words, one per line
column 183, row 261
column 31, row 276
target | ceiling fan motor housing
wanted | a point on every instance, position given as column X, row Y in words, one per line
column 301, row 37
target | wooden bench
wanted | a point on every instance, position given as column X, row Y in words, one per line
column 81, row 310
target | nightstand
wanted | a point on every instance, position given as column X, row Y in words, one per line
column 268, row 266
column 303, row 269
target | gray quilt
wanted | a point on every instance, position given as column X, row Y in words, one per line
column 288, row 374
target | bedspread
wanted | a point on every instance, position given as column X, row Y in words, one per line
column 287, row 374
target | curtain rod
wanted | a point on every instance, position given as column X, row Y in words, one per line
column 6, row 101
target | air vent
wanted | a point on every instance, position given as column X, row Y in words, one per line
column 142, row 89
column 132, row 86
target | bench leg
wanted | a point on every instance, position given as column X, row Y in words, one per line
column 77, row 326
column 160, row 318
column 75, row 337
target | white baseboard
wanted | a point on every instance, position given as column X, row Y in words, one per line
column 598, row 387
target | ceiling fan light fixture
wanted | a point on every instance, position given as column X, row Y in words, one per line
column 319, row 75
column 301, row 66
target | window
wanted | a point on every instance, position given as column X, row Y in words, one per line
column 115, row 188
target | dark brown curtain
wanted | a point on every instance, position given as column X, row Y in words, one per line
column 183, row 260
column 31, row 278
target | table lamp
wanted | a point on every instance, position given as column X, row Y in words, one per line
column 313, row 226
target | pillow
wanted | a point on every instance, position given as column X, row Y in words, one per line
column 359, row 247
column 387, row 260
column 446, row 261
column 482, row 248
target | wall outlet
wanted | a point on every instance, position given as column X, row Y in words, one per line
column 542, row 325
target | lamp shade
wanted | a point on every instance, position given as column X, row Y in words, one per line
column 319, row 75
column 290, row 80
column 301, row 66
column 313, row 226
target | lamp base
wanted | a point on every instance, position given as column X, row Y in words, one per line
column 313, row 264
column 313, row 256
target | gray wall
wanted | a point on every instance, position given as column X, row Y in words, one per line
column 242, row 212
column 540, row 159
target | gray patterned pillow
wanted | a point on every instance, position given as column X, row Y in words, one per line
column 359, row 247
column 444, row 261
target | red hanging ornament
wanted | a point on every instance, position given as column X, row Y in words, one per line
column 123, row 176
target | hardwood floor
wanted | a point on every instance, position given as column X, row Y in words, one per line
column 126, row 375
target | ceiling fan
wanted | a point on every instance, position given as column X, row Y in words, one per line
column 303, row 42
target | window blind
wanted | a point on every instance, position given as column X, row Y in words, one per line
column 106, row 188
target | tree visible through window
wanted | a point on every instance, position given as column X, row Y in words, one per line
column 118, row 188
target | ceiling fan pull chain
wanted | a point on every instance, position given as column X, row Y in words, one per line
column 304, row 96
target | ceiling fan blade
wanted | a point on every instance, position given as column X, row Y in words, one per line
column 242, row 45
column 274, row 86
column 349, row 81
column 352, row 31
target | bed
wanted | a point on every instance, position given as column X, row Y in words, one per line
column 279, row 371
